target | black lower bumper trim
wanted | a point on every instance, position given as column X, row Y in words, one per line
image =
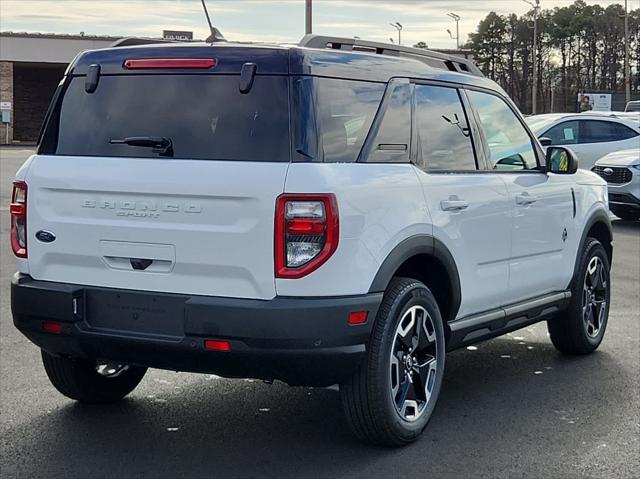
column 624, row 200
column 303, row 341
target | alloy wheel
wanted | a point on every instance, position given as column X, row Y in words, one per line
column 594, row 297
column 413, row 363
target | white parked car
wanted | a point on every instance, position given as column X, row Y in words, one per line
column 303, row 213
column 590, row 135
column 621, row 170
column 633, row 106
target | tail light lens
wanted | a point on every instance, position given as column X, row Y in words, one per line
column 306, row 233
column 169, row 63
column 18, row 211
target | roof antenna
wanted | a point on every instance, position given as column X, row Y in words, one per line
column 215, row 36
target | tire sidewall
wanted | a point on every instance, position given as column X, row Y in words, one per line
column 594, row 248
column 412, row 295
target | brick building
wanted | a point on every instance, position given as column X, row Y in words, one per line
column 31, row 66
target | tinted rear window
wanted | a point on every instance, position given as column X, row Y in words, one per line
column 205, row 116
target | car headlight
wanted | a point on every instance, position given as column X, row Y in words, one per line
column 637, row 167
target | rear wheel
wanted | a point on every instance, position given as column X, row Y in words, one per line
column 580, row 329
column 79, row 379
column 391, row 397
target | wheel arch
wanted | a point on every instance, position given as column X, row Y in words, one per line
column 598, row 226
column 427, row 259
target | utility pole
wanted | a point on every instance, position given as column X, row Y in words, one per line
column 534, row 96
column 627, row 67
column 308, row 21
column 398, row 27
column 456, row 18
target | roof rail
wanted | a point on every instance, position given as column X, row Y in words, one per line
column 439, row 60
column 131, row 41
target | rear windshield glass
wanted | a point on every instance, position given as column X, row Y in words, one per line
column 204, row 116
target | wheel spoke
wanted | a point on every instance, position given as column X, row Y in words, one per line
column 600, row 308
column 593, row 271
column 421, row 378
column 426, row 332
column 602, row 279
column 407, row 328
column 396, row 374
column 403, row 392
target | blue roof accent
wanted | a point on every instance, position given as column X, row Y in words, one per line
column 277, row 59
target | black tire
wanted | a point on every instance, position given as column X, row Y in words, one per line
column 571, row 332
column 78, row 379
column 367, row 397
column 627, row 215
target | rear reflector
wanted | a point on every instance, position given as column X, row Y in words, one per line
column 168, row 63
column 51, row 327
column 358, row 317
column 215, row 345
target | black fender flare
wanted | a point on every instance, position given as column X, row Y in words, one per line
column 598, row 216
column 417, row 245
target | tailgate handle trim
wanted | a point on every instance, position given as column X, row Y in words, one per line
column 140, row 264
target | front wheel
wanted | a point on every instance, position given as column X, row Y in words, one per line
column 79, row 379
column 580, row 329
column 391, row 397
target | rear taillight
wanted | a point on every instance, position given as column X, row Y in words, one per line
column 18, row 211
column 306, row 232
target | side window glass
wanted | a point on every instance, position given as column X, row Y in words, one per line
column 346, row 109
column 595, row 131
column 444, row 136
column 392, row 140
column 565, row 133
column 510, row 146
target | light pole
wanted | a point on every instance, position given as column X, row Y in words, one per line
column 308, row 24
column 456, row 18
column 627, row 67
column 398, row 27
column 534, row 96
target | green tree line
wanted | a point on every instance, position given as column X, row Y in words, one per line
column 580, row 48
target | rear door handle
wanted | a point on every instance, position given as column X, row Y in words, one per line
column 454, row 204
column 525, row 199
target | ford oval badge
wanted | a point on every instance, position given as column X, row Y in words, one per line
column 45, row 236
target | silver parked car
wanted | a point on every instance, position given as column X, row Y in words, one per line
column 621, row 170
column 590, row 135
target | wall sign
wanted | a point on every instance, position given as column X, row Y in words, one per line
column 594, row 102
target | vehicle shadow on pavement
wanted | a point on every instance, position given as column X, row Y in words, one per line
column 492, row 401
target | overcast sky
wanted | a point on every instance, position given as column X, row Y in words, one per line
column 264, row 20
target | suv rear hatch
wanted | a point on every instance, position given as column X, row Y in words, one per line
column 188, row 206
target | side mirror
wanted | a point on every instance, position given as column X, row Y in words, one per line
column 544, row 141
column 561, row 160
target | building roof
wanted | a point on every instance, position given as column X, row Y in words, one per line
column 60, row 36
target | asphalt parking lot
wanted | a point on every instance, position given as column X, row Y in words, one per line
column 513, row 407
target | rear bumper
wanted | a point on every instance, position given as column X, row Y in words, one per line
column 302, row 341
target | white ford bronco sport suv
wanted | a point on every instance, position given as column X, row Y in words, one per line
column 338, row 211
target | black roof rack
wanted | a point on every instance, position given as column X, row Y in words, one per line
column 439, row 60
column 131, row 41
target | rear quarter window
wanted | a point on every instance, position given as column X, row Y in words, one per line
column 205, row 116
column 345, row 110
column 596, row 131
